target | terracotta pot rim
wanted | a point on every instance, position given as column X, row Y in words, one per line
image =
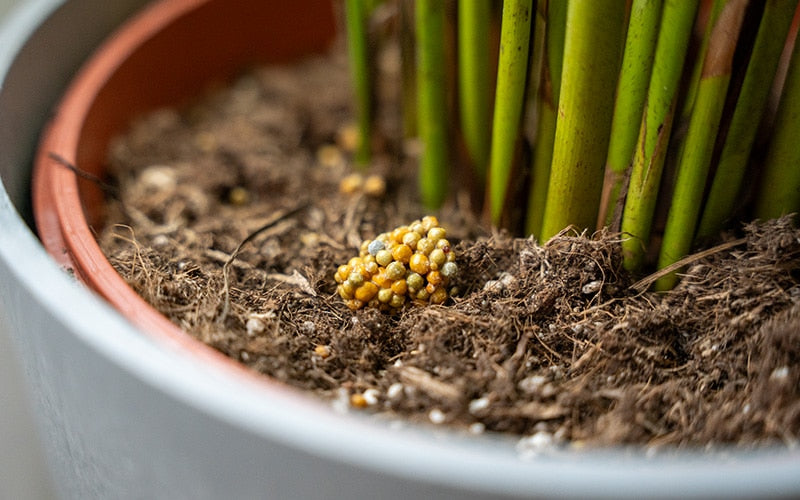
column 58, row 207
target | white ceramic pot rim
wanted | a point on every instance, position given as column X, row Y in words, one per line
column 481, row 464
column 478, row 463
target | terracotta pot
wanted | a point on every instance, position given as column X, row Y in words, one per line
column 165, row 55
column 149, row 412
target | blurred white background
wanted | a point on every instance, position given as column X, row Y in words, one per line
column 5, row 5
column 22, row 474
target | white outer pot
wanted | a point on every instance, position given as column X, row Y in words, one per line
column 122, row 417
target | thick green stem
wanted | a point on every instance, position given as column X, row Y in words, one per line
column 511, row 71
column 750, row 106
column 703, row 127
column 540, row 170
column 634, row 77
column 779, row 192
column 431, row 95
column 474, row 77
column 356, row 12
column 592, row 50
column 547, row 106
column 655, row 128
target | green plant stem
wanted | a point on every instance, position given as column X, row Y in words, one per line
column 474, row 19
column 554, row 43
column 779, row 193
column 536, row 60
column 515, row 32
column 358, row 51
column 547, row 106
column 697, row 69
column 703, row 127
column 634, row 77
column 540, row 168
column 408, row 69
column 593, row 45
column 750, row 106
column 655, row 128
column 432, row 104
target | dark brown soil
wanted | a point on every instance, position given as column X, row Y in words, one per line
column 549, row 340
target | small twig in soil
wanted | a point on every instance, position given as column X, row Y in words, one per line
column 105, row 187
column 586, row 356
column 295, row 279
column 511, row 365
column 428, row 384
column 536, row 336
column 644, row 283
column 226, row 305
column 223, row 257
column 352, row 238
